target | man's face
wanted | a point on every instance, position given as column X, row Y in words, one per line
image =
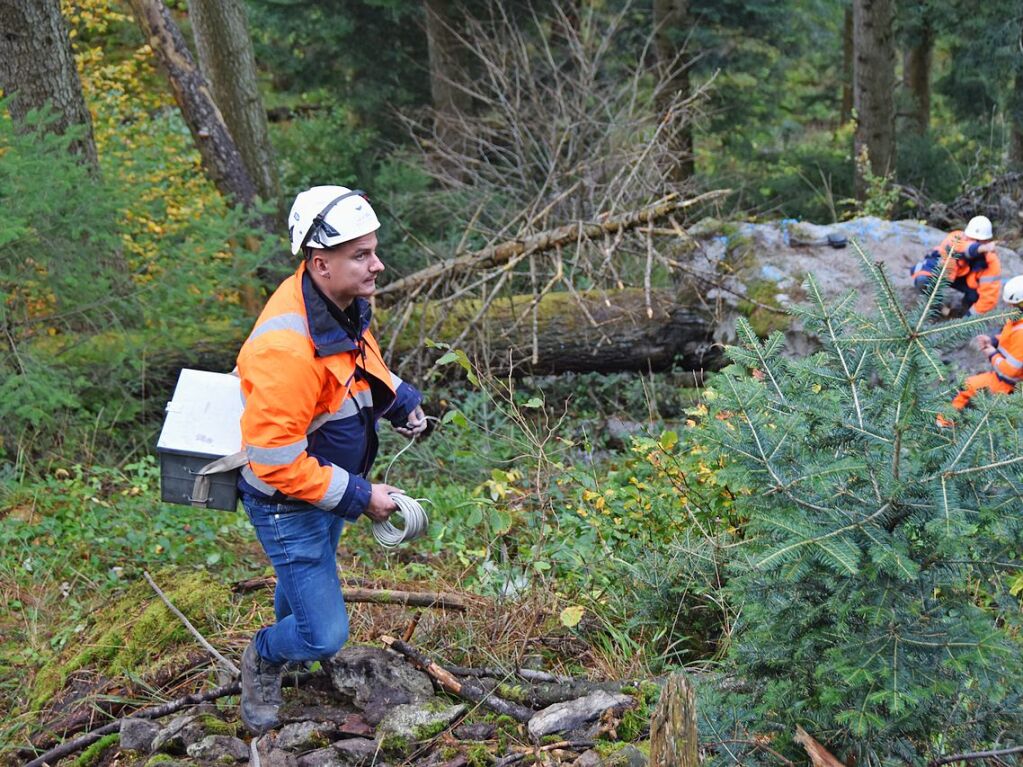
column 348, row 270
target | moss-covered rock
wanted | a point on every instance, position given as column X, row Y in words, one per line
column 94, row 753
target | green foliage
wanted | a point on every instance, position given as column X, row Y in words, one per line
column 875, row 604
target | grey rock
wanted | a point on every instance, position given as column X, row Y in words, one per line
column 275, row 757
column 219, row 748
column 138, row 735
column 376, row 680
column 177, row 736
column 627, row 756
column 477, row 731
column 574, row 713
column 355, row 752
column 588, row 759
column 306, row 736
column 413, row 722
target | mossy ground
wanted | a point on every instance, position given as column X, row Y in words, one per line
column 136, row 636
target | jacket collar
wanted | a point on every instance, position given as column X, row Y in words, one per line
column 326, row 333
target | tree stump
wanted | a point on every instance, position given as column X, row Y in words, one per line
column 673, row 726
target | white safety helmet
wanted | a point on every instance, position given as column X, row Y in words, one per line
column 325, row 216
column 979, row 228
column 1012, row 293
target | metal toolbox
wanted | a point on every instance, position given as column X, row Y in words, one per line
column 203, row 423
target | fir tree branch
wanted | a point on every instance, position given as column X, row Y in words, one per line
column 816, row 540
column 986, row 467
column 833, row 335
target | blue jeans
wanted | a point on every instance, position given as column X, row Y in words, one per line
column 301, row 541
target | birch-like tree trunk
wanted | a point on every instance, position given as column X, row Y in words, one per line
column 671, row 22
column 229, row 64
column 37, row 68
column 220, row 156
column 873, row 87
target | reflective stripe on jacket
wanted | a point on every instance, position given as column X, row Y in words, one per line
column 980, row 271
column 312, row 396
column 1007, row 359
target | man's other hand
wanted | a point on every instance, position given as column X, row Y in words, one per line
column 982, row 341
column 381, row 505
column 415, row 425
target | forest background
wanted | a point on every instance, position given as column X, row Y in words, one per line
column 139, row 235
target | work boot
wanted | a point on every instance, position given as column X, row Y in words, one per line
column 261, row 691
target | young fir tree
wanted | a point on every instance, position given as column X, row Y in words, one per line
column 875, row 579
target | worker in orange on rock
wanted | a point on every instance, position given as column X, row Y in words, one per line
column 1004, row 350
column 975, row 271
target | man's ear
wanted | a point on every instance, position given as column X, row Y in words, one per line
column 317, row 263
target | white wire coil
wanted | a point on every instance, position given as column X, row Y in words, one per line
column 412, row 514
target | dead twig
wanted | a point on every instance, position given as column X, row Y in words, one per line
column 441, row 600
column 171, row 707
column 575, row 745
column 463, row 689
column 504, row 252
column 969, row 757
column 192, row 629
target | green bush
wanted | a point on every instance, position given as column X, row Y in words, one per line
column 873, row 580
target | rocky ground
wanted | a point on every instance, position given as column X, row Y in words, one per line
column 769, row 263
column 369, row 706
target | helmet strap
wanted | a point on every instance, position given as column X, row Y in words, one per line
column 320, row 218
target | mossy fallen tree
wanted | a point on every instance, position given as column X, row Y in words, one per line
column 599, row 331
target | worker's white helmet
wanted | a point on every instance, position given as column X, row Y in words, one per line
column 979, row 228
column 325, row 216
column 1012, row 293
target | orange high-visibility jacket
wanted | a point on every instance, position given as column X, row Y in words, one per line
column 312, row 396
column 980, row 271
column 1007, row 358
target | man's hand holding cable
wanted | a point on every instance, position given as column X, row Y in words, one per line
column 415, row 425
column 381, row 505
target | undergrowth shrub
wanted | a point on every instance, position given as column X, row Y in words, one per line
column 873, row 581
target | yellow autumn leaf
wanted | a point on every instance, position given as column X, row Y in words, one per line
column 571, row 616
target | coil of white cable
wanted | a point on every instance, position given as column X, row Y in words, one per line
column 412, row 513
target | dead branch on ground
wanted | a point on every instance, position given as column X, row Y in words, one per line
column 462, row 689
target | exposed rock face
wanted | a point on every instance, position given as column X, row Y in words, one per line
column 768, row 263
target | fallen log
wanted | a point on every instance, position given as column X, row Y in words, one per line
column 439, row 599
column 463, row 689
column 597, row 330
column 539, row 695
column 495, row 255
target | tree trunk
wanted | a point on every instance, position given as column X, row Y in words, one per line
column 220, row 155
column 671, row 21
column 1016, row 120
column 226, row 58
column 917, row 78
column 673, row 726
column 38, row 68
column 450, row 102
column 599, row 331
column 873, row 88
column 845, row 115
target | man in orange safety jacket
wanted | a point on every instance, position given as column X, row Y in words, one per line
column 314, row 385
column 974, row 270
column 1004, row 351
